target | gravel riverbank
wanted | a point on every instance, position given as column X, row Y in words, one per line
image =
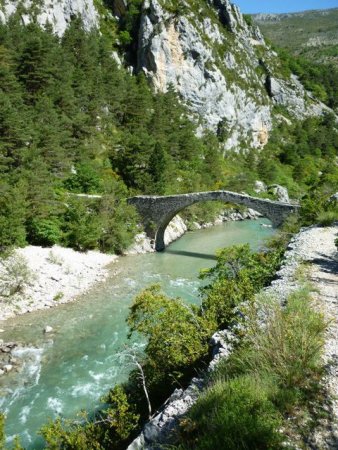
column 38, row 278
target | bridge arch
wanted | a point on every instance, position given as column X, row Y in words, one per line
column 157, row 211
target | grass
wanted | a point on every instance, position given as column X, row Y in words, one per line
column 274, row 374
column 327, row 218
column 237, row 414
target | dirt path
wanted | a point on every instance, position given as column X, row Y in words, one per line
column 324, row 276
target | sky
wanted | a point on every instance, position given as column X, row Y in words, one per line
column 282, row 6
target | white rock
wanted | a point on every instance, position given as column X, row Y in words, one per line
column 8, row 367
column 48, row 329
column 58, row 13
column 259, row 187
column 280, row 192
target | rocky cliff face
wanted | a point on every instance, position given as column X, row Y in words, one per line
column 58, row 13
column 205, row 49
column 221, row 66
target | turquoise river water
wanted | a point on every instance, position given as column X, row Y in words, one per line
column 72, row 368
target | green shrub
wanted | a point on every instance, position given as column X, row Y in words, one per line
column 86, row 180
column 327, row 218
column 82, row 226
column 119, row 225
column 248, row 19
column 2, row 431
column 234, row 414
column 275, row 370
column 15, row 275
column 238, row 274
column 12, row 217
column 287, row 348
column 180, row 343
column 110, row 429
column 44, row 231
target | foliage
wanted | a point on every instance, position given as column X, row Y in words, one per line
column 44, row 231
column 233, row 414
column 327, row 218
column 180, row 343
column 12, row 207
column 15, row 275
column 16, row 444
column 275, row 370
column 289, row 347
column 248, row 19
column 2, row 431
column 108, row 429
column 320, row 79
column 238, row 274
column 107, row 133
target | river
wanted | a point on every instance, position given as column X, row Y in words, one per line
column 70, row 369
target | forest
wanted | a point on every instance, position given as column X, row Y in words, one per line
column 73, row 121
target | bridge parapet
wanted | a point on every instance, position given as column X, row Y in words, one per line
column 157, row 211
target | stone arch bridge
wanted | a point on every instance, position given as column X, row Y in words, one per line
column 157, row 211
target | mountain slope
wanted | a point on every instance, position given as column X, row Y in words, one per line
column 221, row 66
column 312, row 34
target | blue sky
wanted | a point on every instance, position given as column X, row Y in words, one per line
column 280, row 6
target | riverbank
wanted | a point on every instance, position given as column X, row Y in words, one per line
column 315, row 247
column 34, row 278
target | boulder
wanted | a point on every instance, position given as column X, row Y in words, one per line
column 280, row 192
column 7, row 368
column 259, row 187
column 48, row 329
column 334, row 198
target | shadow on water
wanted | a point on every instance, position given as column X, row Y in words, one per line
column 191, row 254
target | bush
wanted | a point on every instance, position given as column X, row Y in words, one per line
column 86, row 180
column 238, row 274
column 45, row 232
column 109, row 429
column 327, row 218
column 287, row 348
column 235, row 414
column 14, row 275
column 82, row 226
column 119, row 225
column 274, row 371
column 180, row 343
column 248, row 19
column 12, row 217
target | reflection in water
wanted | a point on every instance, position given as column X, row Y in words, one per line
column 85, row 356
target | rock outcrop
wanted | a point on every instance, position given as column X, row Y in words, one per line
column 218, row 63
column 56, row 13
column 222, row 68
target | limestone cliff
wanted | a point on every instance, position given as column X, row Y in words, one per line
column 58, row 13
column 221, row 66
column 215, row 59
